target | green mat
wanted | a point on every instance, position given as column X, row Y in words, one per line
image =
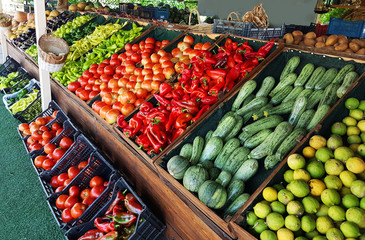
column 24, row 213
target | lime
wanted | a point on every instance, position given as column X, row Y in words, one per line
column 285, row 234
column 285, row 196
column 339, row 128
column 288, row 175
column 312, row 234
column 343, row 153
column 355, row 165
column 358, row 188
column 292, row 223
column 316, row 186
column 350, row 200
column 260, row 226
column 301, row 174
column 357, row 114
column 275, row 221
column 299, row 188
column 324, row 154
column 350, row 229
column 349, row 121
column 333, row 182
column 361, row 150
column 336, row 213
column 361, row 125
column 311, row 205
column 362, row 105
column 309, row 152
column 317, row 142
column 353, row 130
column 323, row 224
column 322, row 211
column 316, row 169
column 270, row 194
column 278, row 207
column 362, row 203
column 295, row 208
column 333, row 167
column 296, row 161
column 344, row 191
column 354, row 139
column 356, row 215
column 268, row 235
column 334, row 234
column 251, row 218
column 330, row 197
column 347, row 178
column 335, row 141
column 261, row 210
column 308, row 223
column 352, row 103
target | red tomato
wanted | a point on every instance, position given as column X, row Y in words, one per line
column 106, row 61
column 47, row 164
column 37, row 135
column 84, row 95
column 62, row 178
column 56, row 126
column 93, row 94
column 85, row 193
column 66, row 215
column 23, row 126
column 109, row 70
column 66, row 142
column 141, row 93
column 38, row 161
column 70, row 201
column 59, row 189
column 43, row 128
column 105, row 77
column 31, row 141
column 135, row 47
column 91, row 82
column 82, row 165
column 128, row 46
column 114, row 56
column 77, row 92
column 100, row 70
column 97, row 105
column 78, row 209
column 136, row 57
column 73, row 172
column 59, row 131
column 97, row 191
column 96, row 88
column 127, row 109
column 88, row 201
column 35, row 146
column 58, row 153
column 60, row 201
column 87, row 74
column 189, row 39
column 94, row 65
column 150, row 40
column 88, row 87
column 114, row 62
column 54, row 182
column 96, row 181
column 93, row 70
column 138, row 102
column 67, row 182
column 40, row 121
column 49, row 148
column 74, row 191
column 73, row 86
column 47, row 135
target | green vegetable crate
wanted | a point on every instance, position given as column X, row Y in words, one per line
column 9, row 98
column 21, row 75
column 255, row 173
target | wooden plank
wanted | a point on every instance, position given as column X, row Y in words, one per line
column 240, row 233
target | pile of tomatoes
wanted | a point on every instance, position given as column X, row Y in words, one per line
column 74, row 204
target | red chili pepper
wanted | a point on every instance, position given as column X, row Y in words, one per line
column 143, row 141
column 100, row 224
column 217, row 87
column 264, row 50
column 232, row 75
column 200, row 113
column 128, row 131
column 238, row 58
column 145, row 107
column 216, row 73
column 234, row 46
column 173, row 115
column 244, row 48
column 190, row 105
column 135, row 124
column 118, row 200
column 204, row 82
column 210, row 60
column 228, row 42
column 199, row 93
column 113, row 235
column 121, row 122
column 186, row 97
column 157, row 117
column 177, row 133
column 92, row 234
column 168, row 95
column 164, row 88
column 231, row 63
column 155, row 144
column 230, row 86
column 209, row 100
column 164, row 102
column 117, row 209
column 222, row 61
column 132, row 204
column 183, row 120
column 157, row 133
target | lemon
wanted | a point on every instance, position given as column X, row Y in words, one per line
column 350, row 229
column 335, row 141
column 333, row 182
column 316, row 169
column 317, row 142
column 349, row 121
column 361, row 125
column 323, row 154
column 270, row 194
column 333, row 167
column 285, row 234
column 357, row 114
column 296, row 161
column 323, row 224
column 285, row 196
column 336, row 213
column 339, row 128
column 330, row 197
column 352, row 103
column 353, row 130
column 350, row 200
column 309, row 152
column 355, row 165
column 261, row 210
column 299, row 188
column 358, row 188
column 347, row 178
column 301, row 174
column 316, row 187
column 295, row 208
column 288, row 175
column 275, row 221
column 361, row 149
column 343, row 153
column 311, row 205
column 356, row 215
column 362, row 203
column 334, row 234
column 292, row 223
column 268, row 235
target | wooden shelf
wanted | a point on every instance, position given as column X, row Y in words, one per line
column 347, row 6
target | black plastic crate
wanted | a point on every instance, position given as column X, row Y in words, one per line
column 33, row 84
column 10, row 65
column 266, row 33
column 151, row 228
column 31, row 111
column 148, row 12
column 161, row 13
column 80, row 151
column 232, row 27
column 97, row 166
column 22, row 74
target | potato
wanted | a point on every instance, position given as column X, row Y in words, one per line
column 320, row 45
column 321, row 38
column 342, row 39
column 301, row 43
column 297, row 33
column 354, row 46
column 341, row 46
column 348, row 50
column 309, row 42
column 361, row 51
column 331, row 40
column 297, row 39
column 289, row 39
column 360, row 42
column 310, row 35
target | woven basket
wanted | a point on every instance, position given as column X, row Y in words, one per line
column 5, row 24
column 230, row 18
column 53, row 49
column 201, row 27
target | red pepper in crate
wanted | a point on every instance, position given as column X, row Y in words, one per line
column 143, row 141
column 227, row 43
column 168, row 95
column 132, row 204
column 204, row 82
column 145, row 107
column 125, row 218
column 156, row 117
column 102, row 223
column 222, row 60
column 164, row 88
column 216, row 73
column 231, row 63
column 92, row 234
column 183, row 120
column 190, row 105
column 232, row 75
column 117, row 201
column 217, row 87
column 264, row 50
column 113, row 235
column 209, row 100
column 121, row 122
column 195, row 83
column 244, row 48
column 177, row 94
column 177, row 133
column 155, row 144
column 163, row 101
column 135, row 123
column 199, row 93
column 238, row 58
column 200, row 113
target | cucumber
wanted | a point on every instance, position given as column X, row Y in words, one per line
column 327, row 79
column 298, row 108
column 329, row 95
column 304, row 75
column 244, row 136
column 213, row 173
column 236, row 129
column 208, row 135
column 228, row 148
column 237, row 157
column 305, row 118
column 318, row 115
column 316, row 77
column 306, row 93
column 257, row 113
column 290, row 142
column 342, row 73
column 314, row 99
column 271, row 161
column 248, row 99
column 290, row 67
column 283, row 108
column 288, row 80
column 224, row 127
column 257, row 139
column 245, row 91
column 236, row 205
column 272, row 142
column 228, row 114
column 234, row 189
column 256, row 103
column 247, row 170
column 186, row 151
column 224, row 178
column 348, row 81
column 198, row 145
column 268, row 122
column 211, row 149
column 293, row 94
column 266, row 86
column 280, row 96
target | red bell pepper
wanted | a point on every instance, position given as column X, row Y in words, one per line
column 199, row 93
column 135, row 123
column 173, row 115
column 200, row 113
column 157, row 133
column 238, row 58
column 178, row 93
column 216, row 73
column 209, row 100
column 204, row 82
column 132, row 204
column 232, row 75
column 155, row 144
column 164, row 88
column 183, row 120
column 143, row 141
column 186, row 97
column 118, row 200
column 145, row 107
column 168, row 95
column 217, row 87
column 163, row 101
column 195, row 83
column 190, row 105
column 92, row 234
column 102, row 223
column 121, row 122
column 231, row 63
column 177, row 133
column 113, row 235
column 227, row 42
column 156, row 117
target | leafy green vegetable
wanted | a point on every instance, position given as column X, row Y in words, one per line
column 335, row 12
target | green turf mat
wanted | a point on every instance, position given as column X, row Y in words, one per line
column 24, row 213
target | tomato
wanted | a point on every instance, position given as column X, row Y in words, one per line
column 77, row 92
column 84, row 95
column 109, row 70
column 26, row 132
column 150, row 40
column 62, row 178
column 127, row 109
column 122, row 57
column 45, row 141
column 146, row 84
column 113, row 83
column 66, row 142
column 136, row 57
column 130, row 69
column 66, row 215
column 74, row 191
column 44, row 128
column 198, row 46
column 206, row 46
column 88, row 87
column 167, row 63
column 70, row 201
column 68, row 181
column 97, row 191
column 31, row 141
column 131, row 85
column 23, row 126
column 88, row 201
column 100, row 70
column 49, row 148
column 87, row 74
column 94, row 65
column 159, row 78
column 141, row 93
column 97, row 105
column 59, row 131
column 38, row 161
column 47, row 164
column 78, row 209
column 96, row 88
column 82, row 165
column 73, row 172
column 59, row 189
column 104, row 110
column 105, row 77
column 40, row 121
column 54, row 182
column 119, row 70
column 93, row 70
column 60, row 201
column 114, row 62
column 96, row 181
column 135, row 47
column 73, row 86
column 110, row 98
column 106, row 61
column 47, row 135
column 139, row 102
column 128, row 46
column 35, row 146
column 85, row 193
column 117, row 105
column 56, row 126
column 93, row 94
column 58, row 153
column 128, row 97
column 37, row 135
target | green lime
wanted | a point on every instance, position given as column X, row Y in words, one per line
column 261, row 210
column 354, row 139
column 362, row 105
column 292, row 223
column 296, row 161
column 333, row 182
column 357, row 114
column 336, row 213
column 308, row 224
column 268, row 235
column 362, row 203
column 349, row 121
column 339, row 128
column 295, row 208
column 362, row 135
column 275, row 221
column 335, row 141
column 347, row 178
column 285, row 234
column 251, row 218
column 333, row 167
column 350, row 200
column 352, row 103
column 278, row 207
column 316, row 169
column 356, row 215
column 358, row 188
column 334, row 234
column 285, row 196
column 311, row 205
column 313, row 233
column 350, row 229
column 361, row 150
column 259, row 226
column 323, row 224
column 343, row 153
column 324, row 154
column 299, row 188
column 330, row 197
column 288, row 175
column 353, row 130
column 322, row 211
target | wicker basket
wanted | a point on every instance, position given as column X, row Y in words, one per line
column 201, row 27
column 7, row 20
column 53, row 51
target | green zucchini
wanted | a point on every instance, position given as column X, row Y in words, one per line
column 272, row 142
column 287, row 81
column 228, row 148
column 228, row 114
column 213, row 173
column 283, row 108
column 236, row 205
column 280, row 96
column 177, row 166
column 224, row 127
column 257, row 139
column 256, row 113
column 342, row 73
column 208, row 135
column 348, row 81
column 304, row 75
column 268, row 122
column 327, row 79
column 319, row 114
column 256, row 103
column 329, row 95
column 234, row 189
column 290, row 67
column 211, row 149
column 245, row 91
column 244, row 136
column 293, row 94
column 305, row 118
column 207, row 165
column 306, row 93
column 224, row 178
column 247, row 170
column 236, row 129
column 290, row 142
column 198, row 145
column 186, row 151
column 298, row 108
column 248, row 99
column 316, row 77
column 271, row 161
column 266, row 86
column 314, row 99
column 237, row 157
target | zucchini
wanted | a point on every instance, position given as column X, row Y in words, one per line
column 305, row 118
column 257, row 139
column 290, row 142
column 287, row 81
column 283, row 108
column 327, row 79
column 257, row 113
column 237, row 157
column 266, row 86
column 248, row 99
column 224, row 127
column 236, row 129
column 186, row 151
column 208, row 135
column 348, row 81
column 329, row 95
column 234, row 189
column 306, row 93
column 256, row 103
column 228, row 114
column 244, row 136
column 298, row 108
column 316, row 77
column 268, row 122
column 304, row 75
column 228, row 148
column 280, row 96
column 342, row 73
column 318, row 115
column 245, row 91
column 224, row 178
column 271, row 143
column 198, row 145
column 290, row 67
column 211, row 149
column 314, row 99
column 293, row 94
column 247, row 170
column 271, row 161
column 213, row 173
column 236, row 205
column 207, row 165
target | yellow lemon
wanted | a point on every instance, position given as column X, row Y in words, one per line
column 355, row 165
column 285, row 234
column 349, row 121
column 353, row 130
column 270, row 194
column 317, row 142
column 309, row 152
column 347, row 178
column 361, row 125
column 301, row 174
column 317, row 187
